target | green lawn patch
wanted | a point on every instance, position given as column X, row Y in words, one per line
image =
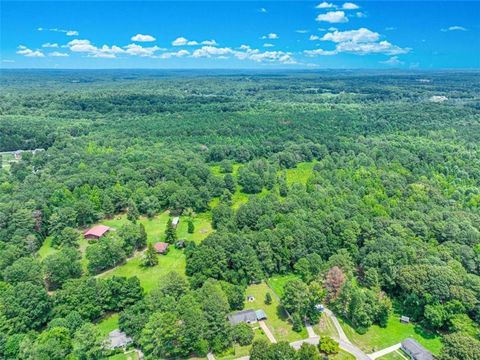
column 396, row 355
column 325, row 327
column 277, row 319
column 301, row 173
column 107, row 324
column 150, row 276
column 377, row 338
column 278, row 282
column 237, row 351
column 46, row 248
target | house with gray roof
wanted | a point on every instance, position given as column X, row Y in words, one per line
column 117, row 339
column 415, row 350
column 246, row 316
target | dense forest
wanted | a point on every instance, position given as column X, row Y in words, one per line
column 387, row 219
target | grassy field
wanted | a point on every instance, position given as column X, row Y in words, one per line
column 237, row 351
column 396, row 355
column 278, row 282
column 150, row 276
column 277, row 319
column 377, row 338
column 107, row 324
column 300, row 173
column 325, row 327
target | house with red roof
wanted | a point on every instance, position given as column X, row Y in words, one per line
column 161, row 247
column 96, row 232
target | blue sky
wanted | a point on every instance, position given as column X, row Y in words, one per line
column 248, row 34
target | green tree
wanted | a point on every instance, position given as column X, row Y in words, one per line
column 191, row 226
column 328, row 346
column 67, row 237
column 170, row 233
column 61, row 266
column 132, row 212
column 460, row 347
column 268, row 299
column 308, row 352
column 87, row 343
column 150, row 257
column 26, row 269
column 160, row 336
column 53, row 344
column 242, row 334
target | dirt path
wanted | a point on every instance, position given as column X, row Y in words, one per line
column 385, row 351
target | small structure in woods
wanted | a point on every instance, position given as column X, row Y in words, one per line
column 415, row 350
column 118, row 339
column 161, row 247
column 180, row 244
column 404, row 319
column 175, row 221
column 246, row 316
column 250, row 298
column 96, row 232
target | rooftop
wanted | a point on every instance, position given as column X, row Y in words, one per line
column 160, row 246
column 417, row 351
column 118, row 339
column 97, row 231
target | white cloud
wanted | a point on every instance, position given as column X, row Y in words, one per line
column 325, row 5
column 66, row 32
column 360, row 35
column 268, row 45
column 301, row 31
column 181, row 41
column 350, row 6
column 333, row 17
column 320, row 52
column 85, row 46
column 314, row 37
column 271, row 36
column 23, row 50
column 262, row 10
column 58, row 54
column 142, row 38
column 454, row 28
column 382, row 47
column 209, row 42
column 209, row 51
column 178, row 54
column 138, row 50
column 394, row 60
column 361, row 42
column 360, row 15
column 50, row 45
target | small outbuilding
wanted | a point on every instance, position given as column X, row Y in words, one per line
column 118, row 339
column 175, row 221
column 96, row 232
column 404, row 319
column 415, row 350
column 250, row 298
column 161, row 247
column 260, row 314
column 180, row 244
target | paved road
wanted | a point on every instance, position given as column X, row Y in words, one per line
column 267, row 332
column 310, row 331
column 341, row 333
column 210, row 356
column 385, row 351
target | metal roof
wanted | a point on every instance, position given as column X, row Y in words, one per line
column 260, row 314
column 246, row 316
column 97, row 231
column 417, row 351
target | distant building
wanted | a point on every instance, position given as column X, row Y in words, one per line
column 180, row 244
column 117, row 339
column 246, row 316
column 161, row 247
column 415, row 350
column 96, row 232
column 404, row 319
column 319, row 307
column 175, row 221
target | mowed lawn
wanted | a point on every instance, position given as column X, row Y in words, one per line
column 278, row 282
column 108, row 324
column 277, row 320
column 377, row 338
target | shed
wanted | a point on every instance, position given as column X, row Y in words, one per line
column 118, row 339
column 244, row 316
column 161, row 247
column 415, row 350
column 96, row 232
column 175, row 221
column 261, row 315
column 404, row 319
column 250, row 298
column 180, row 244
